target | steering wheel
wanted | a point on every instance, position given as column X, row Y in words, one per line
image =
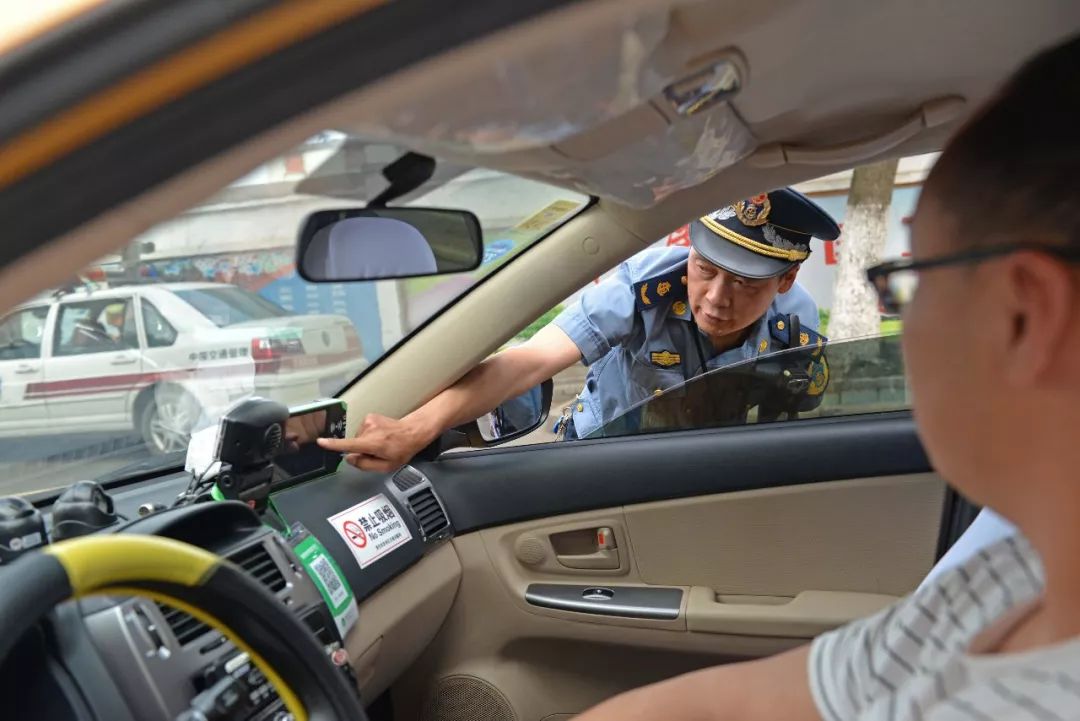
column 195, row 581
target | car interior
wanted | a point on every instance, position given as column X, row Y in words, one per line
column 533, row 581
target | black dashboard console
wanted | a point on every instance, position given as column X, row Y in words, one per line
column 132, row 659
column 162, row 658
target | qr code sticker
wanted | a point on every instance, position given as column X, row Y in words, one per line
column 330, row 581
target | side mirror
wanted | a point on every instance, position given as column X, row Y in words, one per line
column 381, row 243
column 514, row 418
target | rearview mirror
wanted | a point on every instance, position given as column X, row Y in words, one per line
column 381, row 243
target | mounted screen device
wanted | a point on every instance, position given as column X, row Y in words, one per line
column 300, row 457
column 260, row 444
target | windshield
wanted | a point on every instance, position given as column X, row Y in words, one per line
column 230, row 305
column 109, row 375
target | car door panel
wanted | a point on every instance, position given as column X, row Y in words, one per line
column 91, row 388
column 771, row 534
column 782, row 541
column 22, row 407
column 781, row 560
column 494, row 648
column 500, row 486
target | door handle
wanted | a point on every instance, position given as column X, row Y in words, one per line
column 803, row 616
column 602, row 551
column 27, row 369
column 124, row 360
column 601, row 559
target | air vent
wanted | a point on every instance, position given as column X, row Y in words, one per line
column 408, row 477
column 260, row 565
column 256, row 562
column 429, row 514
column 317, row 624
column 184, row 627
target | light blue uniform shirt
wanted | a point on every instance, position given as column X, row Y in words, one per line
column 634, row 351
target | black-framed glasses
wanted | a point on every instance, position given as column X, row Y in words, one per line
column 896, row 281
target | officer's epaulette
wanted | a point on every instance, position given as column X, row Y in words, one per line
column 780, row 327
column 660, row 289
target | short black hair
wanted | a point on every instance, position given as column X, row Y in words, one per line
column 1014, row 168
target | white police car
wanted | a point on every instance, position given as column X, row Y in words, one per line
column 161, row 360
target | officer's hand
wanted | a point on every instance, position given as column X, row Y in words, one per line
column 381, row 444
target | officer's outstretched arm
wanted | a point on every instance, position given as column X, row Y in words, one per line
column 383, row 444
column 772, row 688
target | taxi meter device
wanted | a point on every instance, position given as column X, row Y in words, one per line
column 259, row 444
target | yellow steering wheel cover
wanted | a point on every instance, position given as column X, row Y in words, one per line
column 92, row 562
column 104, row 565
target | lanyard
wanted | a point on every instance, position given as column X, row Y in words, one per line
column 696, row 332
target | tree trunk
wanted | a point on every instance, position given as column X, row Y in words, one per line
column 855, row 306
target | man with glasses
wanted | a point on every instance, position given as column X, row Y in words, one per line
column 991, row 307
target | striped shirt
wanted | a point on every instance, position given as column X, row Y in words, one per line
column 915, row 659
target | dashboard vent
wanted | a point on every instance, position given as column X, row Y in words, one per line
column 256, row 561
column 317, row 624
column 184, row 627
column 260, row 565
column 408, row 477
column 429, row 514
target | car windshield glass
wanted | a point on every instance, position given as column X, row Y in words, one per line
column 229, row 306
column 863, row 375
column 108, row 375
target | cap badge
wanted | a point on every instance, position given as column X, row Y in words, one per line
column 753, row 211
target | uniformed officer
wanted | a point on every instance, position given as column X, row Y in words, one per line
column 671, row 314
column 666, row 316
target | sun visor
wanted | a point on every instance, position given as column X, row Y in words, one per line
column 684, row 154
column 566, row 93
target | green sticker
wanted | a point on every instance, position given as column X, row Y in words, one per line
column 328, row 578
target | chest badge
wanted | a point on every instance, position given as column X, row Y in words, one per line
column 665, row 358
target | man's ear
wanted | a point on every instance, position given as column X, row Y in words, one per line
column 1038, row 301
column 788, row 279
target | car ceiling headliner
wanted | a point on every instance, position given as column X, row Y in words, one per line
column 818, row 73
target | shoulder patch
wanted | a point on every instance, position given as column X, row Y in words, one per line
column 780, row 329
column 660, row 290
column 818, row 371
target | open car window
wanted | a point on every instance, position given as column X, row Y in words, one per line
column 21, row 333
column 851, row 377
column 223, row 313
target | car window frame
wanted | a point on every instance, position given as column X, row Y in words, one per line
column 145, row 302
column 44, row 329
column 55, row 345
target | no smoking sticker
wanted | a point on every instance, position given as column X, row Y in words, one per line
column 371, row 529
column 354, row 534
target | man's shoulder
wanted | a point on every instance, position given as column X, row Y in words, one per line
column 994, row 580
column 653, row 262
column 925, row 638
